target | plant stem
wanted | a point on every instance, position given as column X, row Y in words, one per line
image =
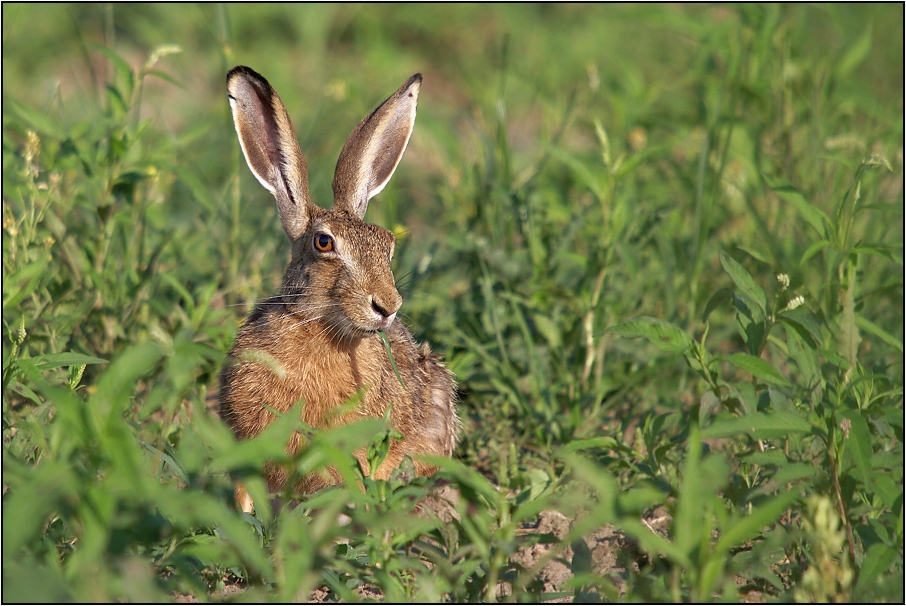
column 841, row 503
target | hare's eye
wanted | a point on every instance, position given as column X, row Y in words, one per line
column 323, row 242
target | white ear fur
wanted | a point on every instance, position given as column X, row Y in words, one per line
column 374, row 149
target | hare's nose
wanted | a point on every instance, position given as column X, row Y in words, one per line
column 386, row 308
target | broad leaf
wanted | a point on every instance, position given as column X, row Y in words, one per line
column 854, row 55
column 756, row 367
column 665, row 335
column 722, row 295
column 751, row 525
column 877, row 560
column 871, row 327
column 744, row 282
column 859, row 444
column 759, row 425
column 813, row 215
column 805, row 319
column 794, row 471
column 66, row 358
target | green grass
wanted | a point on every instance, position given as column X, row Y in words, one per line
column 606, row 219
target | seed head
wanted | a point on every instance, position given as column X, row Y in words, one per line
column 784, row 281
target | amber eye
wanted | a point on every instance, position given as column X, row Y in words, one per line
column 323, row 242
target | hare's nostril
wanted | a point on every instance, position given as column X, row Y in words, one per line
column 377, row 307
column 386, row 308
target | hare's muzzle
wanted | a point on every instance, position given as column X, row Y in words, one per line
column 385, row 309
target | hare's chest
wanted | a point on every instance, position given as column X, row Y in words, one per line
column 327, row 377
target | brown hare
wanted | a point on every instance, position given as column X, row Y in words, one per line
column 317, row 341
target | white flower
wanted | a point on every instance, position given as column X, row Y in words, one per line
column 784, row 280
column 845, row 425
column 794, row 303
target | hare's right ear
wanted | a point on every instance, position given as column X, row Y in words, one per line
column 270, row 147
column 374, row 149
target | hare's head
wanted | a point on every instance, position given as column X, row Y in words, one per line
column 340, row 269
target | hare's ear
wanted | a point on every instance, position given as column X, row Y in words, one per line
column 270, row 147
column 374, row 149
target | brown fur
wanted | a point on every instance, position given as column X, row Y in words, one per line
column 316, row 342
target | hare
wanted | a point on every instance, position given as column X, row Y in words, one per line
column 317, row 341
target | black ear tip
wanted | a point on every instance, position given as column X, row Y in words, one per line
column 248, row 72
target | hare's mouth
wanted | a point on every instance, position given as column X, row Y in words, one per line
column 359, row 322
column 373, row 320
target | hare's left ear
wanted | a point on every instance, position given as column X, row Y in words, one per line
column 374, row 149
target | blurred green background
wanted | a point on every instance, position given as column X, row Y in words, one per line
column 333, row 63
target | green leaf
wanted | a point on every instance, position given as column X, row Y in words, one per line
column 25, row 392
column 886, row 487
column 390, row 355
column 117, row 384
column 640, row 497
column 854, row 55
column 814, row 249
column 804, row 356
column 37, row 121
column 665, row 335
column 859, row 444
column 833, row 357
column 880, row 251
column 779, row 402
column 757, row 255
column 768, row 457
column 805, row 319
column 164, row 76
column 586, row 176
column 22, row 283
column 877, row 561
column 598, row 442
column 27, row 507
column 634, row 161
column 27, row 581
column 718, row 298
column 756, row 367
column 654, row 543
column 870, row 327
column 200, row 191
column 813, row 215
column 549, row 329
column 177, row 285
column 467, row 477
column 30, row 370
column 707, row 404
column 297, row 550
column 125, row 77
column 66, row 358
column 751, row 525
column 174, row 465
column 744, row 282
column 690, row 504
column 794, row 471
column 759, row 425
column 270, row 444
